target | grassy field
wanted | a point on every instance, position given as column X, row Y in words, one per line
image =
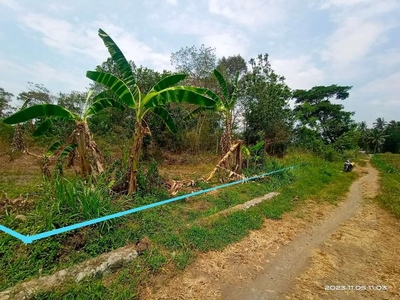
column 174, row 231
column 389, row 165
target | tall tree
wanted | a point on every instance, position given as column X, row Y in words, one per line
column 128, row 92
column 377, row 138
column 225, row 104
column 363, row 142
column 380, row 123
column 392, row 141
column 198, row 63
column 5, row 102
column 232, row 65
column 265, row 97
column 314, row 109
column 36, row 94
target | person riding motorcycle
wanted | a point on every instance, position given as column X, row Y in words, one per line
column 348, row 166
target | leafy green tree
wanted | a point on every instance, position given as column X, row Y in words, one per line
column 73, row 101
column 232, row 65
column 380, row 124
column 265, row 98
column 36, row 94
column 392, row 141
column 377, row 137
column 198, row 63
column 129, row 94
column 315, row 110
column 363, row 130
column 5, row 102
column 225, row 105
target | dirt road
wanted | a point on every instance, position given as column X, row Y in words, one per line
column 349, row 251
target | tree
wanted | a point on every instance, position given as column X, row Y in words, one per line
column 314, row 109
column 265, row 97
column 380, row 124
column 129, row 94
column 36, row 94
column 231, row 66
column 225, row 104
column 377, row 138
column 81, row 136
column 362, row 128
column 198, row 63
column 392, row 141
column 73, row 101
column 5, row 100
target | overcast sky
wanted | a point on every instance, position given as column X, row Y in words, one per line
column 345, row 42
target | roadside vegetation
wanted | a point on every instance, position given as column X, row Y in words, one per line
column 389, row 166
column 139, row 136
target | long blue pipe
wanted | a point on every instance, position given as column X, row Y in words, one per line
column 28, row 239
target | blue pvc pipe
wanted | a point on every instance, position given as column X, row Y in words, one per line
column 27, row 239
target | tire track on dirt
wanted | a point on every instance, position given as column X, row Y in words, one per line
column 279, row 274
column 265, row 264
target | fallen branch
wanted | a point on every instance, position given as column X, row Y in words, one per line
column 231, row 151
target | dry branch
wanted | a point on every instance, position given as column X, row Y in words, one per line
column 234, row 150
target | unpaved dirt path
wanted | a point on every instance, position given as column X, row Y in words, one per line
column 353, row 245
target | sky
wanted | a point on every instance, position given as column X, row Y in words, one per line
column 346, row 42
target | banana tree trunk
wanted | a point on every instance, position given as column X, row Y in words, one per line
column 226, row 139
column 89, row 155
column 18, row 140
column 140, row 132
column 81, row 138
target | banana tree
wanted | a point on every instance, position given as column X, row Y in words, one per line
column 225, row 105
column 89, row 154
column 126, row 89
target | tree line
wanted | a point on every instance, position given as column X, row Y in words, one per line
column 201, row 106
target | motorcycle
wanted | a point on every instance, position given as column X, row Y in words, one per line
column 348, row 166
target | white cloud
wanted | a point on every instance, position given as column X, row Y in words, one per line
column 388, row 59
column 250, row 12
column 325, row 4
column 227, row 40
column 300, row 72
column 66, row 78
column 69, row 39
column 172, row 2
column 58, row 7
column 376, row 98
column 352, row 40
column 389, row 85
column 361, row 26
column 11, row 4
column 226, row 44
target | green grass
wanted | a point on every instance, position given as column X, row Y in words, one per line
column 175, row 235
column 389, row 166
